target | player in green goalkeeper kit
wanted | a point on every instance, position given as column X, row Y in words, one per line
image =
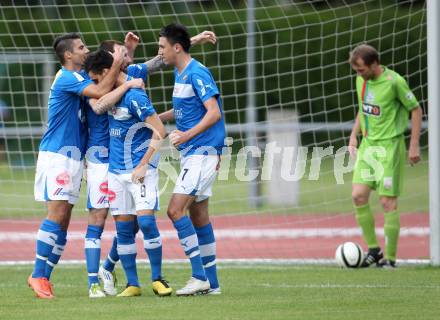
column 385, row 102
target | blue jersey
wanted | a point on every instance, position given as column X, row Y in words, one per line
column 67, row 131
column 129, row 138
column 98, row 142
column 192, row 88
column 138, row 71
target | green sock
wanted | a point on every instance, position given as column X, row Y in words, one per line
column 391, row 230
column 365, row 219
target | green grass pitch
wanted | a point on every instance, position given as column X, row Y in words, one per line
column 249, row 292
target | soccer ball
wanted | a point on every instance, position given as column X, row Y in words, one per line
column 349, row 255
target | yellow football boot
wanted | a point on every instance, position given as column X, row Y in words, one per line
column 161, row 288
column 130, row 291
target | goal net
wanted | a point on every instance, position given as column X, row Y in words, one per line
column 284, row 188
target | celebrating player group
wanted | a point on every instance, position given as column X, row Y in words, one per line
column 101, row 119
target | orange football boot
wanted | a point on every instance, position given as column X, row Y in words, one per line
column 41, row 287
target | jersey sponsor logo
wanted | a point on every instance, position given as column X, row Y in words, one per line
column 60, row 192
column 109, row 194
column 122, row 114
column 102, row 200
column 182, row 90
column 178, row 114
column 409, row 96
column 63, row 179
column 371, row 109
column 103, row 187
column 115, row 132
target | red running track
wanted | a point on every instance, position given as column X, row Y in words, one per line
column 258, row 236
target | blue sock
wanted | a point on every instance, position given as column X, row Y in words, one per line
column 207, row 246
column 56, row 253
column 113, row 257
column 190, row 244
column 152, row 244
column 92, row 248
column 127, row 250
column 46, row 237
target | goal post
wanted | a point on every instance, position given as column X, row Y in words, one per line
column 433, row 16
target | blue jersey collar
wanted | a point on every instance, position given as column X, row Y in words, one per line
column 186, row 67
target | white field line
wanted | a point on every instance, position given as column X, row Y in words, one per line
column 343, row 286
column 8, row 236
column 235, row 263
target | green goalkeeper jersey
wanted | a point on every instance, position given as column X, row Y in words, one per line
column 384, row 105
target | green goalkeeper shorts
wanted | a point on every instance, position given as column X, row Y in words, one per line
column 380, row 165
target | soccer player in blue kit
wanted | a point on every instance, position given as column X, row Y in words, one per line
column 98, row 193
column 200, row 134
column 97, row 164
column 62, row 148
column 136, row 133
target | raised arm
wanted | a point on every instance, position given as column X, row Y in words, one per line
column 155, row 64
column 98, row 90
column 107, row 101
column 153, row 122
column 131, row 42
column 414, row 143
column 204, row 37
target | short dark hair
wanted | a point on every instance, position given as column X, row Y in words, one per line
column 365, row 52
column 64, row 43
column 109, row 45
column 177, row 33
column 98, row 61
